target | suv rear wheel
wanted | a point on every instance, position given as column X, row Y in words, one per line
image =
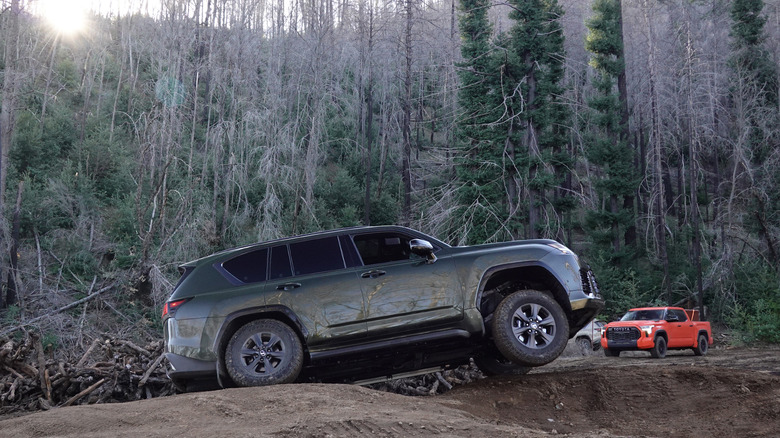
column 701, row 346
column 264, row 352
column 530, row 328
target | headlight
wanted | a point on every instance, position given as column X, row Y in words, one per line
column 648, row 329
column 560, row 247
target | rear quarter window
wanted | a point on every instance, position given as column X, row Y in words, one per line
column 249, row 267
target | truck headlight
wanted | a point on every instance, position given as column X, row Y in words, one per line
column 560, row 247
column 648, row 329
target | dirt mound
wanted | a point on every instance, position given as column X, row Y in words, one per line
column 689, row 401
column 729, row 392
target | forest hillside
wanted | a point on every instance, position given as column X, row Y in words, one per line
column 642, row 134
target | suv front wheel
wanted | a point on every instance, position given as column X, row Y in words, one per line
column 264, row 352
column 530, row 328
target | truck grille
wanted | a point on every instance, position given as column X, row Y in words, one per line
column 618, row 334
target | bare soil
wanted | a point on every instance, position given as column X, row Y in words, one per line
column 729, row 392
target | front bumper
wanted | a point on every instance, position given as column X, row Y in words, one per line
column 583, row 310
column 642, row 342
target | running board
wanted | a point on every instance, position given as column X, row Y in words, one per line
column 390, row 343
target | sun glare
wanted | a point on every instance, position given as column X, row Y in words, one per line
column 66, row 16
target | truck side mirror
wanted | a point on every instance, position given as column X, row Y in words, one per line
column 423, row 248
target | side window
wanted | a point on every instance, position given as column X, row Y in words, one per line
column 280, row 262
column 317, row 255
column 681, row 316
column 249, row 267
column 382, row 247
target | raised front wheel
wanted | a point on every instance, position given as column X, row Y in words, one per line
column 264, row 352
column 530, row 328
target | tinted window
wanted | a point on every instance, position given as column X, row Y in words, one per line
column 382, row 247
column 681, row 316
column 317, row 255
column 249, row 267
column 280, row 262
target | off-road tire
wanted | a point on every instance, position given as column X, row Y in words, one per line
column 701, row 346
column 264, row 352
column 530, row 328
column 659, row 349
column 584, row 346
column 493, row 363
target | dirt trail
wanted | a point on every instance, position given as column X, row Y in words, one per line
column 730, row 392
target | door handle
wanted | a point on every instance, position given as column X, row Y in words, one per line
column 372, row 274
column 288, row 286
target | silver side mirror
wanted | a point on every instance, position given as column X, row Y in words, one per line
column 423, row 248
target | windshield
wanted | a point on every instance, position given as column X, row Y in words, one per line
column 644, row 315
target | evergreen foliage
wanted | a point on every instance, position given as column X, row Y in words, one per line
column 513, row 131
column 606, row 145
column 480, row 167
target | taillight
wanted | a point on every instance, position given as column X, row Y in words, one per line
column 170, row 307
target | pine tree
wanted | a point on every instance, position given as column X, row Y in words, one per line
column 607, row 143
column 481, row 194
column 513, row 131
column 535, row 64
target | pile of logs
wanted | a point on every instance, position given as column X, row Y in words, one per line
column 433, row 383
column 115, row 370
column 111, row 370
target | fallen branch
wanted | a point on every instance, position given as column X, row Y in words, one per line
column 83, row 359
column 85, row 392
column 135, row 347
column 61, row 309
column 149, row 371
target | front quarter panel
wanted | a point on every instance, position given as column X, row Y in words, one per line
column 472, row 263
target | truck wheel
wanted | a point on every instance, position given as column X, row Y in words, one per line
column 584, row 346
column 493, row 363
column 530, row 328
column 611, row 353
column 659, row 349
column 264, row 352
column 702, row 346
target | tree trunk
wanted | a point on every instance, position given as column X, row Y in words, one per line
column 7, row 116
column 531, row 143
column 368, row 132
column 13, row 285
column 660, row 192
column 625, row 134
column 406, row 212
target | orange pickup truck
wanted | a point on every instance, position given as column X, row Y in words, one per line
column 657, row 329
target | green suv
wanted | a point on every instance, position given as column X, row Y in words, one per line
column 372, row 303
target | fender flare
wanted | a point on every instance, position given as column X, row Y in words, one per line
column 488, row 274
column 253, row 313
